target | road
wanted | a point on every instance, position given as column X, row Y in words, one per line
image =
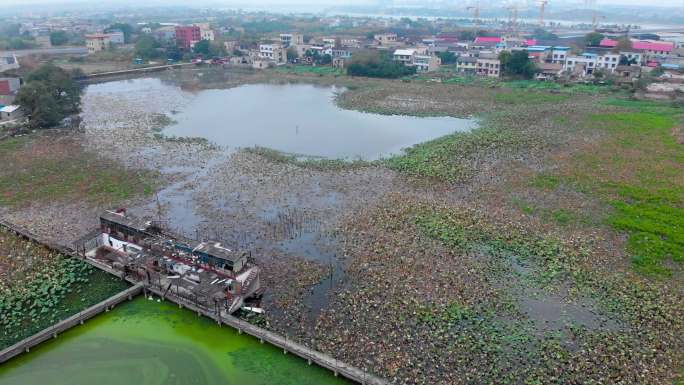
column 46, row 51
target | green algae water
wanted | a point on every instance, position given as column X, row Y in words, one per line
column 145, row 342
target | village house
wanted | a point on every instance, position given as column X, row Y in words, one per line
column 404, row 56
column 466, row 64
column 627, row 73
column 426, row 63
column 9, row 86
column 11, row 112
column 275, row 53
column 338, row 62
column 633, row 56
column 8, row 62
column 489, row 65
column 548, row 71
column 288, row 39
column 386, row 39
column 649, row 48
column 101, row 41
column 588, row 63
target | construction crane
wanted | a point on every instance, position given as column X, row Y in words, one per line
column 591, row 4
column 513, row 18
column 476, row 13
column 542, row 7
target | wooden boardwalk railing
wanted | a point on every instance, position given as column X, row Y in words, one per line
column 311, row 356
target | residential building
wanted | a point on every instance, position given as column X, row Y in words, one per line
column 165, row 34
column 11, row 112
column 404, row 55
column 187, row 36
column 8, row 62
column 466, row 64
column 275, row 53
column 558, row 55
column 650, row 48
column 608, row 61
column 9, row 85
column 581, row 65
column 207, row 34
column 489, row 65
column 97, row 42
column 288, row 39
column 628, row 73
column 386, row 39
column 116, row 37
column 426, row 63
column 350, row 42
column 548, row 71
column 633, row 56
column 338, row 62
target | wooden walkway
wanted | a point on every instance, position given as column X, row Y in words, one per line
column 311, row 356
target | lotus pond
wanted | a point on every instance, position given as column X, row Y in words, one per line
column 151, row 343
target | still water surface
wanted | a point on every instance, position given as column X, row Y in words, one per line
column 143, row 342
column 300, row 119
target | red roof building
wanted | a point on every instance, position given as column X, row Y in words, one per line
column 187, row 36
column 487, row 40
column 656, row 47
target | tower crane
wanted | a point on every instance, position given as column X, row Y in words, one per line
column 542, row 7
column 476, row 13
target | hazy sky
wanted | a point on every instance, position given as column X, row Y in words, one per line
column 330, row 2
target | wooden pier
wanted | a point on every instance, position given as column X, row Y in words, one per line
column 223, row 318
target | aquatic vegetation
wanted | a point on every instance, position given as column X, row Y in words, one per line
column 45, row 289
column 57, row 169
column 451, row 158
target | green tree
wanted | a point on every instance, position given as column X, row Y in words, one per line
column 467, row 35
column 147, row 47
column 59, row 38
column 49, row 95
column 377, row 64
column 624, row 44
column 625, row 61
column 593, row 39
column 447, row 57
column 542, row 34
column 292, row 54
column 517, row 64
column 202, row 47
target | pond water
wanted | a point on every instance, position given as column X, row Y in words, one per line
column 300, row 119
column 144, row 342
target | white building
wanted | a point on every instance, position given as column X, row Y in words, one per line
column 404, row 55
column 116, row 37
column 489, row 65
column 588, row 63
column 288, row 39
column 426, row 63
column 386, row 39
column 275, row 53
column 10, row 113
column 207, row 34
column 8, row 62
column 418, row 58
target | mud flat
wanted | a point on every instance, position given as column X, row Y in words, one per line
column 486, row 257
